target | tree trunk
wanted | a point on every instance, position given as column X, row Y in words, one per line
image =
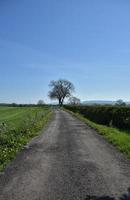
column 60, row 102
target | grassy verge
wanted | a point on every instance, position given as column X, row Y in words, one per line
column 119, row 138
column 17, row 127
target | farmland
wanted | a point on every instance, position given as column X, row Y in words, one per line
column 17, row 126
column 14, row 115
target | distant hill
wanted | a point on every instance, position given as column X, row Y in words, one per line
column 101, row 102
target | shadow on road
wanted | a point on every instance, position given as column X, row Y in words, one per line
column 123, row 197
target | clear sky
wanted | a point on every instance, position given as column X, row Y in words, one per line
column 84, row 41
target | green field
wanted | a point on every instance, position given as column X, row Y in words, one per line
column 15, row 115
column 17, row 126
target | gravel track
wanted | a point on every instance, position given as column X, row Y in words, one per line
column 68, row 161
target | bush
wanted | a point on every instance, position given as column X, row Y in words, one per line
column 116, row 116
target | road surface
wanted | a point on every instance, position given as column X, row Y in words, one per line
column 68, row 161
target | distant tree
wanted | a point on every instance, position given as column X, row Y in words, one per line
column 13, row 104
column 120, row 102
column 40, row 102
column 74, row 101
column 60, row 90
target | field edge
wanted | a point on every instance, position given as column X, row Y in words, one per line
column 43, row 123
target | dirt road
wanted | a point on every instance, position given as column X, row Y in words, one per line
column 69, row 161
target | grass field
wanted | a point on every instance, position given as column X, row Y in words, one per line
column 17, row 126
column 119, row 138
column 13, row 116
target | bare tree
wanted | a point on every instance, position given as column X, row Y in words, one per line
column 61, row 89
column 40, row 102
column 74, row 101
column 120, row 102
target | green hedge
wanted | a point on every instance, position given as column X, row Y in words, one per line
column 115, row 116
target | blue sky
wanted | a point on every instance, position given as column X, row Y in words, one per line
column 84, row 41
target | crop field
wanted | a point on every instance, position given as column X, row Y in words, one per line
column 17, row 126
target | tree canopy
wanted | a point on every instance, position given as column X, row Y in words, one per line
column 60, row 90
column 74, row 101
column 120, row 102
column 40, row 102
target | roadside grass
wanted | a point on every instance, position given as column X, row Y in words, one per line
column 117, row 137
column 17, row 127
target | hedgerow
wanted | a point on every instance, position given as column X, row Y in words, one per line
column 115, row 116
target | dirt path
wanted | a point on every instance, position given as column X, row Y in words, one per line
column 69, row 161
